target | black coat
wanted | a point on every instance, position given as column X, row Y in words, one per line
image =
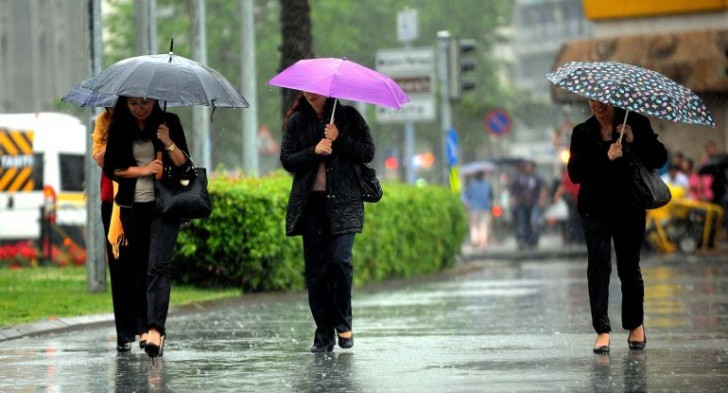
column 119, row 154
column 353, row 145
column 605, row 185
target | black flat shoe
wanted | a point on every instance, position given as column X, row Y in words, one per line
column 318, row 348
column 603, row 350
column 637, row 345
column 346, row 342
column 123, row 347
column 142, row 344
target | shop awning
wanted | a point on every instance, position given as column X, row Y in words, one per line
column 697, row 59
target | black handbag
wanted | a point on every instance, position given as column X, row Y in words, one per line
column 183, row 195
column 371, row 190
column 648, row 189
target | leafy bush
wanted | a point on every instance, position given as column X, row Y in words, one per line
column 411, row 231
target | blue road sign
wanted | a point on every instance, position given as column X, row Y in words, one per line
column 451, row 146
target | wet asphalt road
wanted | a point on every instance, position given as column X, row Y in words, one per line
column 495, row 326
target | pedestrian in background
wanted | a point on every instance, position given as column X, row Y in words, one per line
column 600, row 163
column 568, row 191
column 139, row 133
column 699, row 186
column 528, row 198
column 478, row 199
column 122, row 277
column 715, row 164
column 676, row 178
column 325, row 206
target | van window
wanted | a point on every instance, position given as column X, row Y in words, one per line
column 72, row 172
column 38, row 165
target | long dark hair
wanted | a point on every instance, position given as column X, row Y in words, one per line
column 300, row 104
column 123, row 124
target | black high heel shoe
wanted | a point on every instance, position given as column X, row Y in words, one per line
column 154, row 350
column 638, row 345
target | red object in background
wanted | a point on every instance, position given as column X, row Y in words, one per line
column 496, row 211
column 49, row 203
column 391, row 163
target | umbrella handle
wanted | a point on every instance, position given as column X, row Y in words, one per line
column 333, row 110
column 158, row 175
column 621, row 133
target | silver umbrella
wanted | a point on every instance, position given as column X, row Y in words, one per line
column 84, row 97
column 168, row 78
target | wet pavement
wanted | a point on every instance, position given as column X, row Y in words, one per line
column 495, row 324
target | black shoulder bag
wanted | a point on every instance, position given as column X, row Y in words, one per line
column 648, row 189
column 371, row 190
column 183, row 194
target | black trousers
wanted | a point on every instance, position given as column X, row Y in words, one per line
column 329, row 272
column 627, row 229
column 151, row 240
column 122, row 284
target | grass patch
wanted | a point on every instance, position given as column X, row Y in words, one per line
column 36, row 294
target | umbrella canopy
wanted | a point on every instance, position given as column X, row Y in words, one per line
column 474, row 167
column 84, row 97
column 341, row 78
column 633, row 88
column 169, row 78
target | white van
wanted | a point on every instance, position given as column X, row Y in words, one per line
column 41, row 153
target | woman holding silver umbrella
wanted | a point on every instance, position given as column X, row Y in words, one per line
column 142, row 139
column 600, row 162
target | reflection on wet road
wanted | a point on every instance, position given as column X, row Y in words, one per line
column 499, row 328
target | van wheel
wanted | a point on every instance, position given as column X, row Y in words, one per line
column 688, row 244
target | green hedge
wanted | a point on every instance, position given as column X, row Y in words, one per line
column 411, row 231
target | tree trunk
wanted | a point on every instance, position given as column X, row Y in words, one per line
column 297, row 42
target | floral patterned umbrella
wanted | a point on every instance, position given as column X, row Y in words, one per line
column 633, row 88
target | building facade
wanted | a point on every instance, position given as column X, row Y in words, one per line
column 541, row 27
column 43, row 52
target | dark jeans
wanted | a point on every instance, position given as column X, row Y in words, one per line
column 526, row 222
column 151, row 240
column 122, row 284
column 627, row 229
column 329, row 272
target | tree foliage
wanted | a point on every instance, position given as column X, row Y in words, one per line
column 352, row 28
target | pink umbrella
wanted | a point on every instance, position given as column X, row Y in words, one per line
column 341, row 78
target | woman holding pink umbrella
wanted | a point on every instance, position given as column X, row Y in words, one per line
column 325, row 206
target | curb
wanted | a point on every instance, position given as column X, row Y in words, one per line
column 56, row 325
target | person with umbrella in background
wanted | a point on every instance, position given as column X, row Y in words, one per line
column 325, row 206
column 600, row 163
column 141, row 140
column 478, row 199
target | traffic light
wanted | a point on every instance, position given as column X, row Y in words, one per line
column 459, row 65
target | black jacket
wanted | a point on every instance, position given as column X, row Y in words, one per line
column 605, row 185
column 119, row 155
column 353, row 146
